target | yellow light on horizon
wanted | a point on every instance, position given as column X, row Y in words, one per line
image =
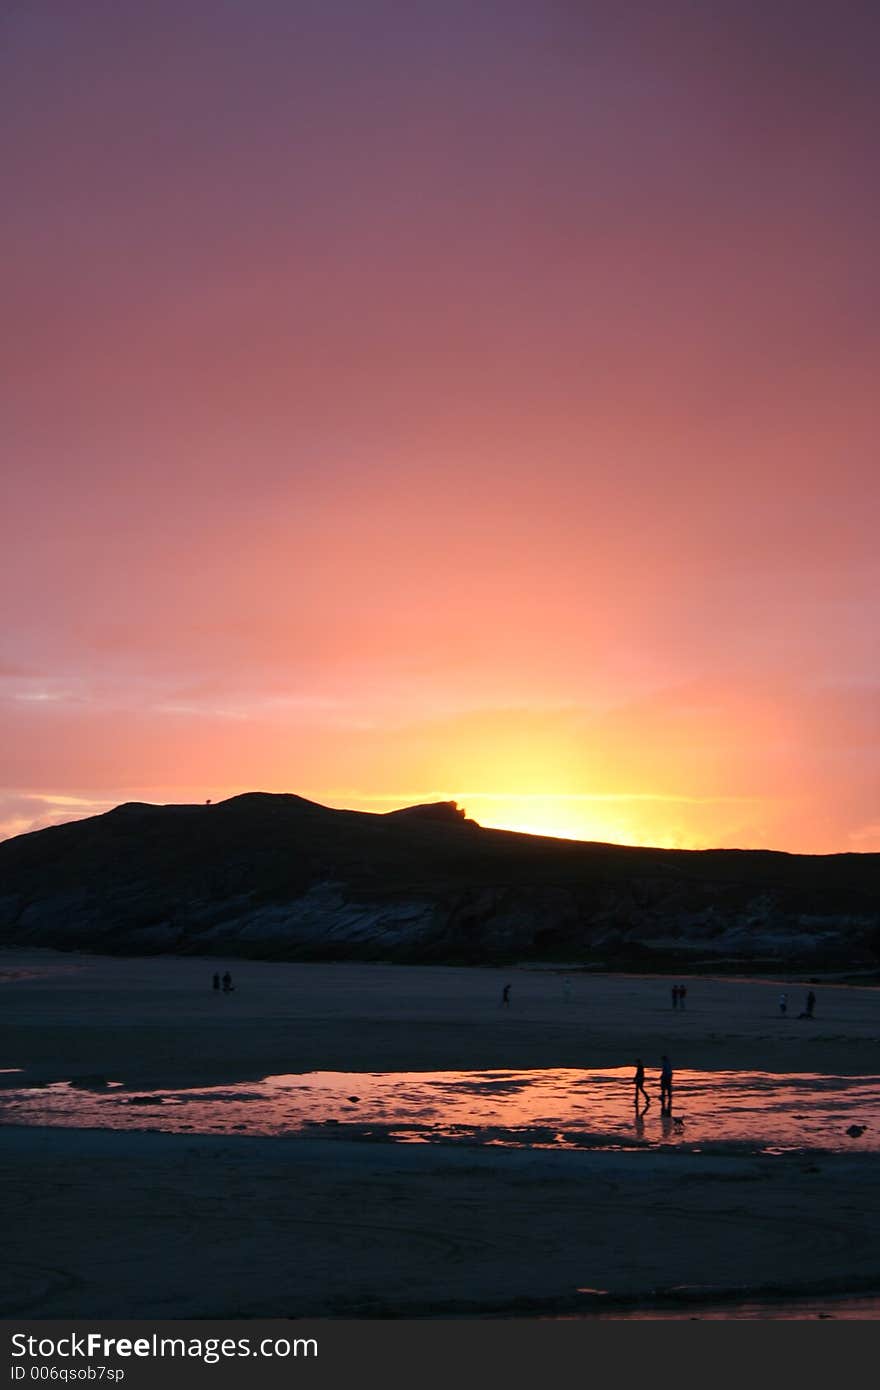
column 567, row 816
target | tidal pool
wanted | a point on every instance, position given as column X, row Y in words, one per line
column 566, row 1108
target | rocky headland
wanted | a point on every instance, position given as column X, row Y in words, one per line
column 279, row 877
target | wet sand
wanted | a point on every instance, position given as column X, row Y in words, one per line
column 157, row 1022
column 180, row 1225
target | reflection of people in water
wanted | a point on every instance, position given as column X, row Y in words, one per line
column 666, row 1123
column 665, row 1084
column 639, row 1123
column 639, row 1084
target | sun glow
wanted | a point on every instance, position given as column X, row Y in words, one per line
column 566, row 817
column 607, row 818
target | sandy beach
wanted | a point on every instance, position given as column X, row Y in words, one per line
column 147, row 1223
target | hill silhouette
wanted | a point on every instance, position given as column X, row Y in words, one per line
column 277, row 876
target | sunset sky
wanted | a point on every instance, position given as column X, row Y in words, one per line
column 455, row 399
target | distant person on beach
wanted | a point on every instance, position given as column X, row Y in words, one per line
column 682, row 995
column 665, row 1083
column 807, row 1011
column 566, row 991
column 675, row 996
column 216, row 981
column 783, row 1003
column 639, row 1084
column 505, row 995
column 227, row 983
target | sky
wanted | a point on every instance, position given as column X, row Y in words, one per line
column 444, row 399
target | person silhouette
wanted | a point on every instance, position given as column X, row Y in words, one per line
column 639, row 1084
column 216, row 981
column 227, row 983
column 665, row 1083
column 505, row 995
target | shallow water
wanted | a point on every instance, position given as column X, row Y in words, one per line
column 758, row 1111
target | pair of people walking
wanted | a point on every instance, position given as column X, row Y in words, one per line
column 665, row 1084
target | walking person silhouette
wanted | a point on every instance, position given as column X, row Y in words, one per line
column 639, row 1084
column 665, row 1083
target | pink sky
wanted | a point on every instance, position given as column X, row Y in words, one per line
column 416, row 401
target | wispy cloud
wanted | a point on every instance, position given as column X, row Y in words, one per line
column 21, row 813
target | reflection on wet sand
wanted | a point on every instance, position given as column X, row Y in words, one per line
column 549, row 1108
